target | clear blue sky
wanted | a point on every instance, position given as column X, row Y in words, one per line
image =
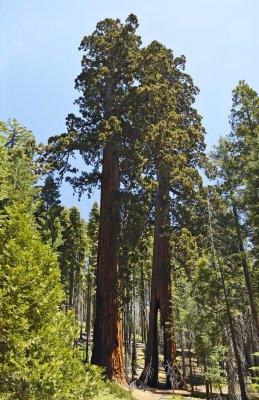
column 39, row 57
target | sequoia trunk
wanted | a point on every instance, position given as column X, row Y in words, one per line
column 161, row 285
column 107, row 346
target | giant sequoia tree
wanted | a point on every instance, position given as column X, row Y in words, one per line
column 137, row 124
column 173, row 145
column 108, row 65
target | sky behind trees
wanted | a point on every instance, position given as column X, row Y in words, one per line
column 39, row 57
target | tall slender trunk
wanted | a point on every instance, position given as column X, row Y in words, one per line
column 107, row 346
column 127, row 322
column 190, row 362
column 247, row 275
column 161, row 284
column 88, row 314
column 207, row 382
column 182, row 343
column 231, row 374
column 216, row 261
column 134, row 356
column 233, row 338
column 71, row 286
column 143, row 306
column 133, row 347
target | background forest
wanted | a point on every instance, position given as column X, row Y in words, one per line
column 166, row 263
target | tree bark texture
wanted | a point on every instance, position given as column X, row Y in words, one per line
column 161, row 297
column 107, row 346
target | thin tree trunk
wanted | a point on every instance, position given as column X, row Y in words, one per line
column 207, row 382
column 182, row 342
column 229, row 315
column 190, row 363
column 131, row 325
column 231, row 373
column 134, row 356
column 125, row 334
column 71, row 287
column 233, row 337
column 143, row 306
column 207, row 385
column 81, row 311
column 127, row 317
column 247, row 275
column 134, row 348
column 107, row 346
column 88, row 315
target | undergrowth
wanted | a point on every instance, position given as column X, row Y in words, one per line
column 111, row 391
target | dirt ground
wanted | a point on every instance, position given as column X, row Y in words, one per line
column 158, row 394
column 154, row 394
column 161, row 393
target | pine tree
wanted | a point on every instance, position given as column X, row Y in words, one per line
column 236, row 168
column 49, row 211
column 73, row 252
column 22, row 169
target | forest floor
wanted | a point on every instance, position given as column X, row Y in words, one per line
column 159, row 394
column 162, row 393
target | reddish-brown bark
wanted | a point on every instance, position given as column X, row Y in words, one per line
column 107, row 348
column 161, row 296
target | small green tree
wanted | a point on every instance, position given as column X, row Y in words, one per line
column 37, row 360
column 73, row 253
column 49, row 212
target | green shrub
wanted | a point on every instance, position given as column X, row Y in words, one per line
column 112, row 391
column 37, row 360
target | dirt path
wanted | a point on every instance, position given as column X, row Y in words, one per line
column 150, row 395
column 158, row 394
column 155, row 394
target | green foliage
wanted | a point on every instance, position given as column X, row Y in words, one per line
column 93, row 234
column 37, row 360
column 171, row 136
column 49, row 212
column 3, row 170
column 73, row 252
column 255, row 385
column 112, row 391
column 19, row 167
column 108, row 74
column 237, row 161
column 140, row 100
